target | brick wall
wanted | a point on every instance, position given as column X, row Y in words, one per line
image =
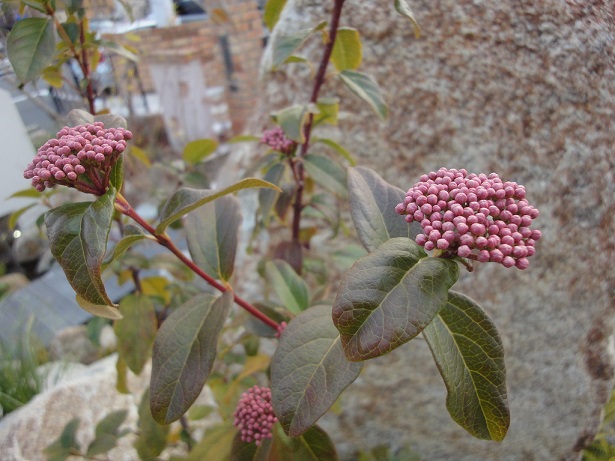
column 203, row 41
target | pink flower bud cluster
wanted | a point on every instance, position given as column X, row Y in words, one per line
column 254, row 415
column 277, row 140
column 80, row 157
column 478, row 217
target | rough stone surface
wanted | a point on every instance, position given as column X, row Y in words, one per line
column 525, row 89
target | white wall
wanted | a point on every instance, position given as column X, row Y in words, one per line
column 16, row 151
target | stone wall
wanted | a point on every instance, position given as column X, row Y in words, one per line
column 525, row 89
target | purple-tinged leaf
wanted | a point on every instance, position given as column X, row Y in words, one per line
column 78, row 235
column 389, row 296
column 309, row 370
column 212, row 233
column 184, row 353
column 468, row 351
column 185, row 200
column 372, row 207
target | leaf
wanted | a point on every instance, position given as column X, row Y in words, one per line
column 196, row 151
column 185, row 200
column 468, row 351
column 132, row 235
column 288, row 286
column 78, row 235
column 122, row 374
column 273, row 9
column 389, row 296
column 212, row 233
column 79, row 117
column 327, row 173
column 63, row 447
column 215, row 444
column 106, row 433
column 38, row 5
column 267, row 197
column 140, row 155
column 30, row 47
column 15, row 215
column 285, row 45
column 136, row 331
column 309, row 370
column 244, row 451
column 347, row 51
column 328, row 109
column 117, row 173
column 372, row 207
column 367, row 89
column 292, row 120
column 244, row 138
column 100, row 310
column 53, row 76
column 26, row 193
column 347, row 255
column 338, row 148
column 152, row 437
column 313, row 445
column 401, row 6
column 184, row 353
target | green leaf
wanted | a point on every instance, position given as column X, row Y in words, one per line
column 140, row 155
column 136, row 331
column 292, row 120
column 196, row 151
column 309, row 370
column 215, row 444
column 390, row 296
column 347, row 255
column 17, row 214
column 267, row 197
column 244, row 451
column 152, row 437
column 184, row 353
column 79, row 117
column 244, row 138
column 26, row 193
column 401, row 6
column 30, row 47
column 106, row 433
column 347, row 51
column 288, row 286
column 117, row 173
column 38, row 5
column 72, row 31
column 328, row 109
column 53, row 76
column 78, row 235
column 468, row 351
column 99, row 310
column 366, row 88
column 284, row 46
column 372, row 207
column 185, row 200
column 212, row 233
column 338, row 148
column 327, row 173
column 63, row 447
column 272, row 12
column 313, row 445
column 132, row 235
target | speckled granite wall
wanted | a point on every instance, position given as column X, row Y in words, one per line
column 525, row 89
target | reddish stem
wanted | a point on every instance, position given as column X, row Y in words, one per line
column 86, row 70
column 298, row 170
column 125, row 208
